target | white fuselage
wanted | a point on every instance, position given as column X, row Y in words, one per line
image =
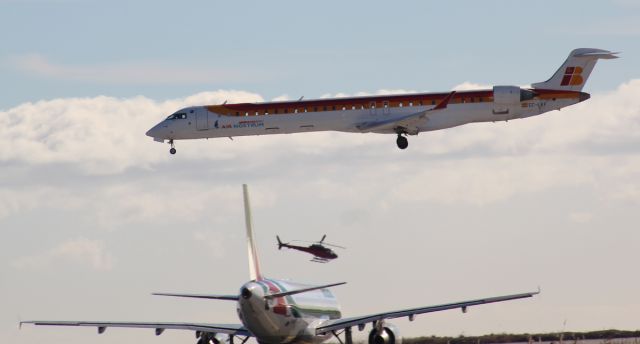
column 286, row 319
column 347, row 114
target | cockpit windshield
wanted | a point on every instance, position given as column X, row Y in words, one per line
column 178, row 115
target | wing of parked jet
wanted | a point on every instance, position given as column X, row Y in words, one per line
column 231, row 329
column 407, row 122
column 201, row 296
column 339, row 324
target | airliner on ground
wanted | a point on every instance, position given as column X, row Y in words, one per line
column 402, row 114
column 276, row 311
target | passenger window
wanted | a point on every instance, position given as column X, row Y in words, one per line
column 324, row 108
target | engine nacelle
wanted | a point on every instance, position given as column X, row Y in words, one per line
column 388, row 335
column 212, row 338
column 506, row 99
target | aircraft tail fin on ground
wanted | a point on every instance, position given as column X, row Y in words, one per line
column 254, row 264
column 575, row 70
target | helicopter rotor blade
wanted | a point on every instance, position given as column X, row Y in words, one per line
column 333, row 245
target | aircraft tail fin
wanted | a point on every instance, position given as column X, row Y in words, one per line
column 575, row 70
column 254, row 264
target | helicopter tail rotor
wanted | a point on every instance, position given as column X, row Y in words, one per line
column 280, row 244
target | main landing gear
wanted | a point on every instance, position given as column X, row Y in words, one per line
column 173, row 147
column 402, row 141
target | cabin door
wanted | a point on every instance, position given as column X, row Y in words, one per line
column 202, row 119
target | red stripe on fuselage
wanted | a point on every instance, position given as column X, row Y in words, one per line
column 281, row 303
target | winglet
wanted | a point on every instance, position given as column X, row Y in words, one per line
column 254, row 264
column 444, row 102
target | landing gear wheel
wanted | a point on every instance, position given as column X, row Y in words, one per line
column 402, row 142
column 173, row 147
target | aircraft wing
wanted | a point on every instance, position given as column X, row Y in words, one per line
column 232, row 329
column 406, row 122
column 339, row 324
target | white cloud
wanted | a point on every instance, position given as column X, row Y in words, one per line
column 580, row 217
column 591, row 144
column 467, row 85
column 381, row 92
column 101, row 135
column 140, row 72
column 281, row 98
column 79, row 251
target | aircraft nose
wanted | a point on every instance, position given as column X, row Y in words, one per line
column 156, row 132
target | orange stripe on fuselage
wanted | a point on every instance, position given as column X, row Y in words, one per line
column 357, row 103
column 363, row 103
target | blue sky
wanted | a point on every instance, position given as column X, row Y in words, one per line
column 287, row 48
column 94, row 215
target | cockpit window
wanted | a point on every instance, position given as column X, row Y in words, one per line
column 179, row 115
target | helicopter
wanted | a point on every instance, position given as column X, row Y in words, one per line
column 320, row 252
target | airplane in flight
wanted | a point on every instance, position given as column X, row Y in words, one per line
column 321, row 253
column 401, row 114
column 280, row 312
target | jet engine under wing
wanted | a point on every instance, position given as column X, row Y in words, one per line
column 338, row 324
column 407, row 122
column 232, row 329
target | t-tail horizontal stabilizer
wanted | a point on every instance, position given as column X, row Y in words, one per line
column 575, row 70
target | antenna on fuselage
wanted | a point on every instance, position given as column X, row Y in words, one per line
column 299, row 99
column 254, row 264
column 225, row 102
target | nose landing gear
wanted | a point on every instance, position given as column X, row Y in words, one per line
column 173, row 147
column 402, row 142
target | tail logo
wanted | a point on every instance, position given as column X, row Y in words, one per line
column 572, row 77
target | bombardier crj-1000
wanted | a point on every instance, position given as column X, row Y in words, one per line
column 276, row 311
column 403, row 114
